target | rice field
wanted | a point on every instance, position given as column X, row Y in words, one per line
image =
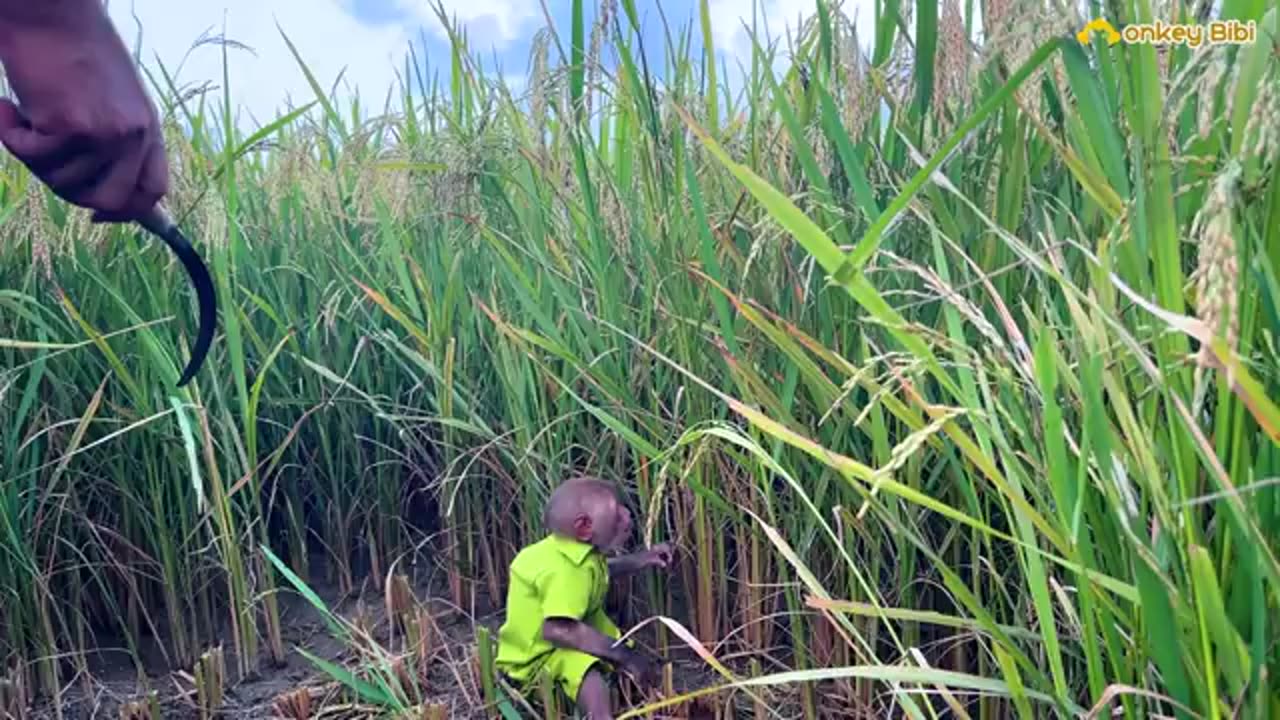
column 950, row 370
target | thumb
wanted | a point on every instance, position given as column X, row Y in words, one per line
column 11, row 116
column 13, row 124
column 17, row 134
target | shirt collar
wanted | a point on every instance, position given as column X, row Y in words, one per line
column 571, row 548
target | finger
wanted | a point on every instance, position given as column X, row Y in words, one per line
column 112, row 191
column 11, row 115
column 38, row 151
column 153, row 180
column 152, row 186
column 79, row 178
column 76, row 176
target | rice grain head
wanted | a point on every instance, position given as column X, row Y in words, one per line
column 213, row 227
column 860, row 100
column 995, row 19
column 1229, row 98
column 604, row 16
column 1262, row 129
column 1217, row 271
column 539, row 82
column 1206, row 90
column 1016, row 28
column 41, row 252
column 951, row 85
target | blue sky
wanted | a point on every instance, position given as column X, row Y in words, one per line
column 370, row 39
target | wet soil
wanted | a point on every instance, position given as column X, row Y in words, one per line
column 113, row 679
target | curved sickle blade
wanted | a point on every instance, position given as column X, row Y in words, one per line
column 161, row 225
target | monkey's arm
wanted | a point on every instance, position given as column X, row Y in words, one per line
column 658, row 556
column 577, row 635
column 629, row 564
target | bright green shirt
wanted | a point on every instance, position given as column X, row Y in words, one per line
column 554, row 577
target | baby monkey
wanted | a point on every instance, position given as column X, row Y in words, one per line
column 556, row 621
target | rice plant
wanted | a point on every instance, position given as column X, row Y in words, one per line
column 949, row 367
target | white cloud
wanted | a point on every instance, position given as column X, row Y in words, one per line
column 776, row 20
column 332, row 39
column 327, row 35
column 488, row 22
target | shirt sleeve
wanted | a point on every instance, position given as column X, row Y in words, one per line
column 602, row 622
column 565, row 594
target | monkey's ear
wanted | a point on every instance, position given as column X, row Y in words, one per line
column 582, row 528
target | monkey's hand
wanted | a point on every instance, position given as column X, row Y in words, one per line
column 657, row 556
column 660, row 556
column 642, row 669
column 577, row 635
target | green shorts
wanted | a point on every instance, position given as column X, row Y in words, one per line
column 567, row 668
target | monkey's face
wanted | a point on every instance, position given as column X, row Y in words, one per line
column 612, row 527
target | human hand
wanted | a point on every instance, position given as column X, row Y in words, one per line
column 83, row 123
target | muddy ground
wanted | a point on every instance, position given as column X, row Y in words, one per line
column 452, row 678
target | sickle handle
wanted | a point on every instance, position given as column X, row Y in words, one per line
column 159, row 223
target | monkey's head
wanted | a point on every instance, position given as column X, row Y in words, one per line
column 590, row 510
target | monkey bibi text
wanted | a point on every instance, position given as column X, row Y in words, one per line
column 1231, row 32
